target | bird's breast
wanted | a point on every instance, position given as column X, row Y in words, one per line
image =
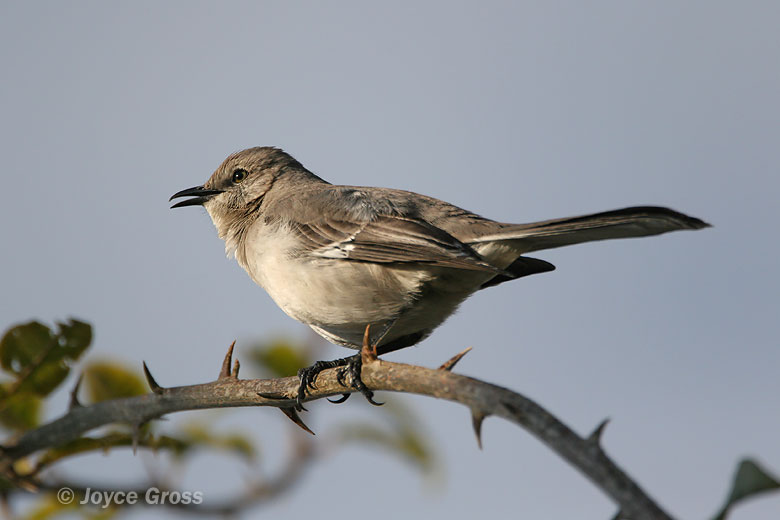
column 325, row 292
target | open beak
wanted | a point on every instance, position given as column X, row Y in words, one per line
column 199, row 196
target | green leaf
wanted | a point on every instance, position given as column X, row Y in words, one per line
column 23, row 344
column 21, row 411
column 280, row 358
column 46, row 377
column 40, row 358
column 75, row 337
column 106, row 380
column 750, row 480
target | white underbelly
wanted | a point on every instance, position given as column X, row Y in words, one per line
column 329, row 293
column 338, row 298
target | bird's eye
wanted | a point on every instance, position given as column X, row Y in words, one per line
column 239, row 175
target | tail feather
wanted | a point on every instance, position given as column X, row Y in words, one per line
column 523, row 266
column 639, row 221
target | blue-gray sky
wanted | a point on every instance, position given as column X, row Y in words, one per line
column 516, row 110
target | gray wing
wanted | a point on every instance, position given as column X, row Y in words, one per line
column 388, row 239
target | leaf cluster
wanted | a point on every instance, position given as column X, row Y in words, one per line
column 37, row 359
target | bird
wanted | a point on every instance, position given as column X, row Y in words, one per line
column 343, row 258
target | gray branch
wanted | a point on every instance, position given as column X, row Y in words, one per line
column 483, row 399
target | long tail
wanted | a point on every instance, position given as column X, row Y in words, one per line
column 639, row 221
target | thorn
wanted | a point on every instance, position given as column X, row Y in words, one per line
column 595, row 437
column 367, row 336
column 157, row 389
column 450, row 363
column 276, row 396
column 236, row 366
column 294, row 417
column 74, row 394
column 368, row 352
column 476, row 421
column 224, row 372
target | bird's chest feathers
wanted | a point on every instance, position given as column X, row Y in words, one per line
column 325, row 291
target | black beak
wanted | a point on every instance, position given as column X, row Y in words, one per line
column 199, row 195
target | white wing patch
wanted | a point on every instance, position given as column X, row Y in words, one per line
column 337, row 249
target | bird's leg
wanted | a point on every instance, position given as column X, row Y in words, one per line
column 351, row 365
column 354, row 367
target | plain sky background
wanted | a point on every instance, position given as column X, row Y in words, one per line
column 519, row 111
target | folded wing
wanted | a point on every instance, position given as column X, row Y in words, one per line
column 388, row 239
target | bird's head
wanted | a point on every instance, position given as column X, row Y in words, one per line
column 234, row 193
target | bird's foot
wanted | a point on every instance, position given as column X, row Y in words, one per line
column 350, row 366
column 308, row 377
column 353, row 369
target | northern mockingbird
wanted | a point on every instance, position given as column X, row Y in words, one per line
column 340, row 258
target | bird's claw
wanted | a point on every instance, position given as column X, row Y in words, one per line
column 348, row 366
column 308, row 377
column 340, row 400
column 353, row 368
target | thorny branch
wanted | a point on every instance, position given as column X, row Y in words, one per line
column 483, row 399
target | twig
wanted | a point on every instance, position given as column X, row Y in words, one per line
column 483, row 399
